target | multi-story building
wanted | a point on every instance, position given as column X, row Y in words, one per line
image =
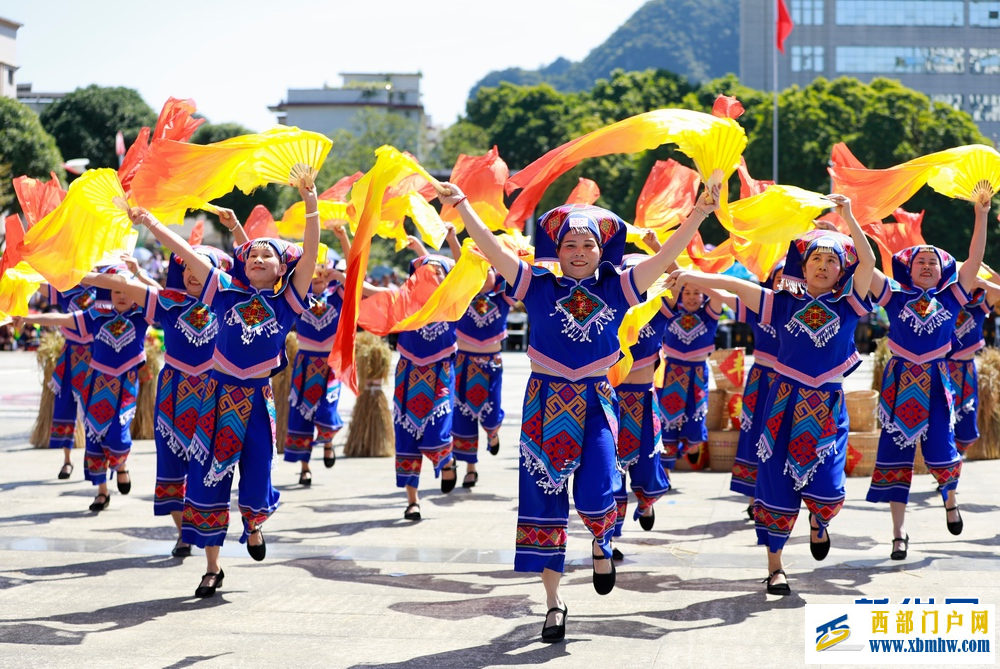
column 8, row 57
column 948, row 49
column 329, row 109
column 35, row 100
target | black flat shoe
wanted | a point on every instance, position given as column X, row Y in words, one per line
column 412, row 515
column 617, row 555
column 330, row 461
column 782, row 589
column 900, row 554
column 447, row 485
column 209, row 590
column 124, row 487
column 467, row 483
column 956, row 527
column 693, row 456
column 494, row 448
column 604, row 583
column 554, row 633
column 819, row 549
column 66, row 471
column 99, row 505
column 647, row 522
column 181, row 551
column 750, row 511
column 258, row 552
column 305, row 479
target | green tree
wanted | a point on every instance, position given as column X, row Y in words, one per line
column 209, row 133
column 85, row 122
column 25, row 149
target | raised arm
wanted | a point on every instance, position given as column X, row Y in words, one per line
column 749, row 293
column 967, row 274
column 310, row 242
column 138, row 272
column 197, row 263
column 415, row 245
column 54, row 319
column 505, row 262
column 134, row 289
column 720, row 298
column 992, row 291
column 648, row 271
column 340, row 232
column 453, row 243
column 228, row 218
column 865, row 271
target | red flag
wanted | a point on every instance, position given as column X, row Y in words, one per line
column 197, row 232
column 784, row 26
column 119, row 144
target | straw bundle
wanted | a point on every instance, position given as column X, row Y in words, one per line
column 371, row 433
column 281, row 387
column 144, row 423
column 880, row 358
column 49, row 348
column 988, row 446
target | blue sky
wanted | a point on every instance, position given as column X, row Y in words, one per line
column 236, row 58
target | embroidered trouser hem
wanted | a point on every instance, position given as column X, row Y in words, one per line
column 893, row 471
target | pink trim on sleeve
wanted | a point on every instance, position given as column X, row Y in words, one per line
column 883, row 298
column 523, row 281
column 149, row 309
column 298, row 306
column 631, row 291
column 959, row 291
column 211, row 286
column 766, row 307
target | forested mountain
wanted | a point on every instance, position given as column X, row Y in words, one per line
column 660, row 36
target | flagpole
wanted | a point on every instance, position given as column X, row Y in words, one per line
column 774, row 84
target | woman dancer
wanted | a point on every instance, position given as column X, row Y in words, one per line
column 112, row 384
column 70, row 372
column 570, row 410
column 640, row 438
column 693, row 318
column 918, row 401
column 965, row 342
column 315, row 390
column 479, row 375
column 256, row 306
column 803, row 443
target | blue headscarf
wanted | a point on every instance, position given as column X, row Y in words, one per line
column 175, row 271
column 823, row 241
column 607, row 228
column 902, row 266
column 289, row 254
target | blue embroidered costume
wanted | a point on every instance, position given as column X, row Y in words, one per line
column 112, row 384
column 315, row 390
column 759, row 380
column 236, row 421
column 479, row 376
column 803, row 442
column 570, row 419
column 918, row 401
column 689, row 338
column 424, row 393
column 70, row 373
column 189, row 330
column 967, row 339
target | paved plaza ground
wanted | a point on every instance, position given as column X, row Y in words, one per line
column 348, row 583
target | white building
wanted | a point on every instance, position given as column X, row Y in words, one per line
column 8, row 57
column 329, row 109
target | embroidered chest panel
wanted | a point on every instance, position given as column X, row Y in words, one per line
column 646, row 331
column 924, row 313
column 83, row 301
column 816, row 320
column 964, row 324
column 255, row 317
column 320, row 315
column 117, row 333
column 687, row 327
column 582, row 310
column 433, row 331
column 483, row 311
column 199, row 324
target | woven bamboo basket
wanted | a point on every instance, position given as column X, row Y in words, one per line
column 866, row 444
column 861, row 409
column 722, row 382
column 716, row 404
column 722, row 449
